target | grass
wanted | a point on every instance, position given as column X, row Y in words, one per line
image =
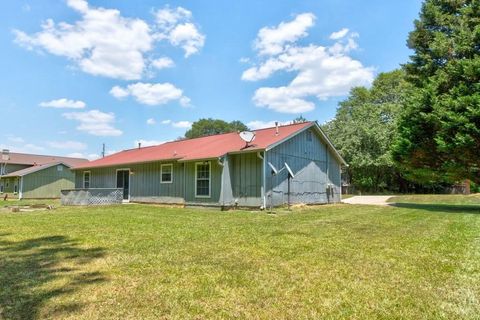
column 149, row 262
column 456, row 199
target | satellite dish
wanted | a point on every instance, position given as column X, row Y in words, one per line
column 290, row 172
column 247, row 136
column 274, row 170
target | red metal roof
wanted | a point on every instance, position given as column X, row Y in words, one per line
column 199, row 148
column 33, row 159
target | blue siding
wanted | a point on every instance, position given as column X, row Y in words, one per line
column 308, row 160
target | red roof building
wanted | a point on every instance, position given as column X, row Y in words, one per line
column 209, row 147
column 294, row 163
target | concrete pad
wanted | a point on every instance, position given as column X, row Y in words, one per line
column 372, row 200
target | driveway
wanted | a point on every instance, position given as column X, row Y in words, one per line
column 373, row 200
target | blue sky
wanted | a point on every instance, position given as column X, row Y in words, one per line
column 77, row 74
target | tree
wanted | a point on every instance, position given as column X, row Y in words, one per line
column 365, row 127
column 300, row 119
column 439, row 133
column 208, row 127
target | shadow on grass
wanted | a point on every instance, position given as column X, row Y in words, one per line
column 445, row 208
column 35, row 270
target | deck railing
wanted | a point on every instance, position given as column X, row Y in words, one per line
column 91, row 196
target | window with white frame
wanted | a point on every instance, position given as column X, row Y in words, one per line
column 59, row 167
column 166, row 173
column 86, row 179
column 202, row 179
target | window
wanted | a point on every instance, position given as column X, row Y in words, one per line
column 1, row 188
column 309, row 136
column 86, row 179
column 202, row 177
column 59, row 167
column 15, row 188
column 166, row 172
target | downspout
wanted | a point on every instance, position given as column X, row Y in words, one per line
column 327, row 187
column 222, row 179
column 184, row 183
column 264, row 180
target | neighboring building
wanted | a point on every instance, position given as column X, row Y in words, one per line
column 36, row 176
column 222, row 170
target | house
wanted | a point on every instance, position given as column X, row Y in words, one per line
column 223, row 170
column 36, row 176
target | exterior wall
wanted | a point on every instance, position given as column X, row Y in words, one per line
column 215, row 183
column 12, row 167
column 308, row 161
column 9, row 185
column 246, row 179
column 47, row 183
column 146, row 186
column 145, row 183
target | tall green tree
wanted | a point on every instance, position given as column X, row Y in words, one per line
column 208, row 127
column 439, row 133
column 364, row 129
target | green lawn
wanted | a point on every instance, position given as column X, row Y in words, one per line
column 333, row 262
column 456, row 199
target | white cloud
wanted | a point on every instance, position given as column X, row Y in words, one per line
column 63, row 103
column 30, row 147
column 271, row 40
column 321, row 72
column 68, row 145
column 151, row 93
column 151, row 121
column 185, row 101
column 79, row 5
column 24, row 148
column 163, row 62
column 258, row 124
column 95, row 122
column 178, row 124
column 182, row 124
column 90, row 156
column 175, row 26
column 103, row 42
column 14, row 139
column 147, row 143
column 119, row 92
column 17, row 144
column 339, row 34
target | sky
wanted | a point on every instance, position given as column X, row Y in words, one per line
column 76, row 74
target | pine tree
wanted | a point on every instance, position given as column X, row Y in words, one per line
column 439, row 132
